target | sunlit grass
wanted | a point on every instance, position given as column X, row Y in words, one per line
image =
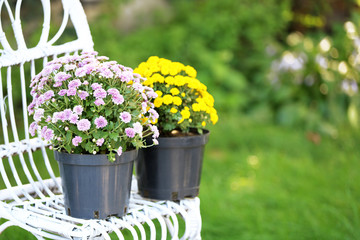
column 266, row 182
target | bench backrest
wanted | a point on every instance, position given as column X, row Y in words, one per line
column 23, row 159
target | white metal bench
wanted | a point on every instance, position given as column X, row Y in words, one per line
column 30, row 196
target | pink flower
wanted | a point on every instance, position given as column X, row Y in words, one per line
column 62, row 92
column 99, row 102
column 76, row 140
column 125, row 117
column 100, row 122
column 48, row 95
column 91, row 67
column 32, row 128
column 95, row 86
column 74, row 83
column 83, row 125
column 71, row 92
column 119, row 151
column 49, row 134
column 57, row 84
column 113, row 91
column 89, row 53
column 73, row 118
column 83, row 94
column 67, row 113
column 78, row 109
column 155, row 130
column 155, row 141
column 130, row 132
column 118, row 99
column 31, row 108
column 55, row 117
column 144, row 107
column 80, row 72
column 62, row 116
column 68, row 67
column 100, row 142
column 100, row 93
column 43, row 130
column 153, row 114
column 61, row 76
column 138, row 128
column 106, row 73
column 46, row 71
column 138, row 87
column 40, row 100
column 116, row 69
column 100, row 58
column 126, row 77
column 39, row 113
column 152, row 94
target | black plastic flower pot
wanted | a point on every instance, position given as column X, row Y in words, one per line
column 93, row 187
column 172, row 169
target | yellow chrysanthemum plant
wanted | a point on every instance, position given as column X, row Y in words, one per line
column 183, row 102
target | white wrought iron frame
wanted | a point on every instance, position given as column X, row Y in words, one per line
column 37, row 205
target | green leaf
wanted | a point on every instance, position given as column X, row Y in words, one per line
column 97, row 134
column 68, row 136
column 66, row 101
column 67, row 148
column 114, row 136
column 103, row 134
column 108, row 112
column 111, row 157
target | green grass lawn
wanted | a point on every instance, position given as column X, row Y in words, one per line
column 266, row 182
column 262, row 181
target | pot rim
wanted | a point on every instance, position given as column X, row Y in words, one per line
column 94, row 159
column 183, row 141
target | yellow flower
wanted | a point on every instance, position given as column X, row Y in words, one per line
column 154, row 122
column 158, row 102
column 153, row 59
column 144, row 120
column 165, row 69
column 179, row 80
column 148, row 82
column 177, row 100
column 194, row 83
column 214, row 118
column 173, row 110
column 169, row 80
column 181, row 120
column 159, row 93
column 168, row 99
column 190, row 71
column 183, row 94
column 174, row 91
column 185, row 113
column 157, row 78
column 174, row 69
column 196, row 107
column 203, row 123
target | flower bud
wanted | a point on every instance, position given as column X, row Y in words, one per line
column 94, row 152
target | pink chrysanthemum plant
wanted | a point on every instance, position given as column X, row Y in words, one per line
column 87, row 104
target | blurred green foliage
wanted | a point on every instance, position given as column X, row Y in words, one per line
column 224, row 40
